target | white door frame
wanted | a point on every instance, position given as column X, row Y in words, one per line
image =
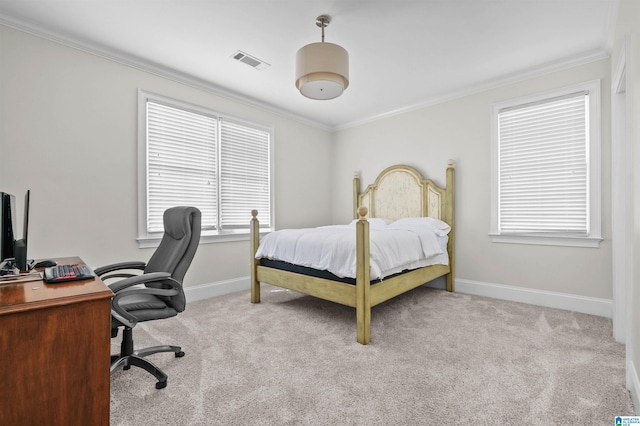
column 621, row 200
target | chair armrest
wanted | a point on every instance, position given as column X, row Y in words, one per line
column 141, row 279
column 119, row 266
column 122, row 289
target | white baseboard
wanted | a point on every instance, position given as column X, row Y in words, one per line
column 549, row 299
column 633, row 384
column 204, row 291
column 570, row 302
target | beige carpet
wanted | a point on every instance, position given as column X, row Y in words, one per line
column 435, row 358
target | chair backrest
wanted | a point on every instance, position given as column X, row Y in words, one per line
column 177, row 248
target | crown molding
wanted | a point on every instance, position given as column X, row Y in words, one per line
column 538, row 71
column 155, row 69
column 183, row 78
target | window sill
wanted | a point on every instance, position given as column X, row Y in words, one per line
column 567, row 241
column 205, row 238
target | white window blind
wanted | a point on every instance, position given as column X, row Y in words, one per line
column 196, row 157
column 182, row 164
column 543, row 167
column 244, row 175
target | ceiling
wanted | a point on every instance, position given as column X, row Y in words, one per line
column 403, row 53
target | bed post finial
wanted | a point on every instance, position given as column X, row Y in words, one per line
column 362, row 212
column 450, row 163
column 254, row 213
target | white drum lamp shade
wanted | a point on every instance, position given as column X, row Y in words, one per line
column 322, row 69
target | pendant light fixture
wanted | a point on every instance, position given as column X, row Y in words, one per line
column 322, row 69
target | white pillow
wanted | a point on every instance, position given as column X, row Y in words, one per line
column 439, row 227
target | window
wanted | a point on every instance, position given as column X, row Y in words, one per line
column 546, row 168
column 193, row 156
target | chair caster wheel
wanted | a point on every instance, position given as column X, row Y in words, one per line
column 179, row 354
column 160, row 385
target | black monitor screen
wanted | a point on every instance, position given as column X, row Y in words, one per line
column 7, row 225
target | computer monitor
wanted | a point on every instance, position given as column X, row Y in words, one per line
column 20, row 246
column 7, row 225
column 13, row 251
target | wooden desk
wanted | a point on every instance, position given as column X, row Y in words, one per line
column 55, row 352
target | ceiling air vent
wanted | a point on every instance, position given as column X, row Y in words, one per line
column 250, row 60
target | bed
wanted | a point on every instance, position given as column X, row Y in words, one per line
column 398, row 192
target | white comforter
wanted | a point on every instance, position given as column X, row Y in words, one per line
column 333, row 248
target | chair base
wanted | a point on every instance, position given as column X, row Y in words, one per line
column 129, row 357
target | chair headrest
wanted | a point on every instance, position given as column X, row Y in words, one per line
column 177, row 223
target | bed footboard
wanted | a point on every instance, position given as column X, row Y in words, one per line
column 358, row 296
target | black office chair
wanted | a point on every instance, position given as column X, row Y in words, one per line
column 161, row 296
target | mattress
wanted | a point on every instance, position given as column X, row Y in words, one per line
column 394, row 248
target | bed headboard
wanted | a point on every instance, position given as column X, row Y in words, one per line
column 401, row 191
